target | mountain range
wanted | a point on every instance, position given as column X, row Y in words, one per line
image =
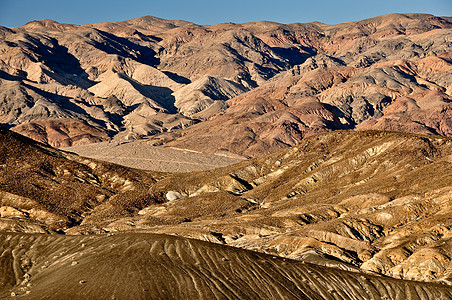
column 229, row 161
column 246, row 89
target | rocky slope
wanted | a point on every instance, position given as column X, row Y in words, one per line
column 45, row 190
column 370, row 201
column 266, row 83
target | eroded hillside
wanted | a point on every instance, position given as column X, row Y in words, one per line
column 253, row 88
column 46, row 190
column 373, row 201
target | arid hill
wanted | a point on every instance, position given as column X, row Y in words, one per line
column 328, row 206
column 266, row 84
column 46, row 190
column 384, row 96
column 370, row 201
column 151, row 266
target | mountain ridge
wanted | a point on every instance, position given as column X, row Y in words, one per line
column 154, row 61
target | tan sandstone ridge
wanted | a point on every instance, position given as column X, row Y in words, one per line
column 266, row 83
column 367, row 201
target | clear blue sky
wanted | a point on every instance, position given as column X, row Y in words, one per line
column 18, row 12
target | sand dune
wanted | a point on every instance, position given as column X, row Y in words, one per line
column 144, row 266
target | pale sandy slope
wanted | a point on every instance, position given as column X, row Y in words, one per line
column 150, row 266
column 142, row 155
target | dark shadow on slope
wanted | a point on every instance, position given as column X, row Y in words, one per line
column 177, row 78
column 162, row 95
column 63, row 102
column 6, row 76
column 147, row 38
column 124, row 47
column 336, row 124
column 287, row 58
column 295, row 55
column 65, row 67
column 266, row 71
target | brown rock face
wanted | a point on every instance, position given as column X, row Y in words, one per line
column 385, row 96
column 264, row 83
column 373, row 201
column 62, row 132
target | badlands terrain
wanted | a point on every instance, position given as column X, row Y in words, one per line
column 246, row 89
column 257, row 160
column 346, row 214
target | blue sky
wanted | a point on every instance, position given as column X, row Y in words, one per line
column 18, row 12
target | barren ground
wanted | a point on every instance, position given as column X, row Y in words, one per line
column 142, row 155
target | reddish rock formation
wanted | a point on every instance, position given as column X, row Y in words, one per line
column 148, row 76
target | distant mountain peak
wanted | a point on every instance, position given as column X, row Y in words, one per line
column 48, row 24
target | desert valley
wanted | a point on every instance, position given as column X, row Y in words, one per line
column 159, row 159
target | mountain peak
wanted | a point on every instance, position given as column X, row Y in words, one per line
column 48, row 24
column 146, row 21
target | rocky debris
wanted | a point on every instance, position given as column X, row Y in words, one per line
column 172, row 195
column 143, row 154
